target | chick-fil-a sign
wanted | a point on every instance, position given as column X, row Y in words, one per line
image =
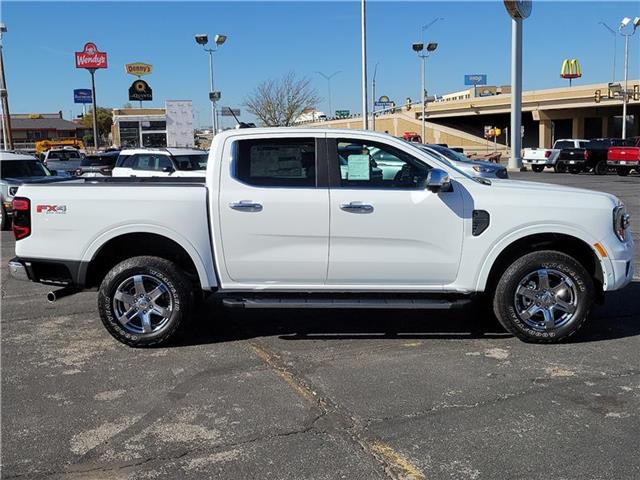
column 90, row 57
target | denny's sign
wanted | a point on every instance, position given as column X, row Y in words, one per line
column 138, row 69
column 90, row 57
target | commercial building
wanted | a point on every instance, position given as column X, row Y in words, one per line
column 28, row 128
column 171, row 126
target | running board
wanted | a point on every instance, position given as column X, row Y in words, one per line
column 407, row 303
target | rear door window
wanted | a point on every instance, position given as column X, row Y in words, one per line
column 287, row 162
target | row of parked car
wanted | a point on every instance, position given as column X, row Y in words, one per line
column 598, row 155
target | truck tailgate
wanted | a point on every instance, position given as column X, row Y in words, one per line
column 624, row 154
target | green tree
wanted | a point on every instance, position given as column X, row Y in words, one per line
column 105, row 120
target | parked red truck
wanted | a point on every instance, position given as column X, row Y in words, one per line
column 625, row 158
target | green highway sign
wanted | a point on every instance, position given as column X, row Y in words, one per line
column 343, row 113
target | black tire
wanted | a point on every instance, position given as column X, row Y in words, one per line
column 3, row 219
column 575, row 170
column 177, row 297
column 560, row 167
column 537, row 168
column 554, row 263
column 622, row 171
column 601, row 168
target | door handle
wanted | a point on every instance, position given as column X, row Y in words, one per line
column 357, row 207
column 246, row 206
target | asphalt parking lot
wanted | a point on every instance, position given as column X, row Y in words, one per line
column 321, row 395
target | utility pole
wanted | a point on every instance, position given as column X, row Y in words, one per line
column 365, row 102
column 373, row 97
column 92, row 71
column 7, row 138
column 515, row 161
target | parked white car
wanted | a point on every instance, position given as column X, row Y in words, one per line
column 161, row 162
column 282, row 222
column 540, row 158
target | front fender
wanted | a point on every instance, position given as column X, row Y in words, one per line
column 503, row 242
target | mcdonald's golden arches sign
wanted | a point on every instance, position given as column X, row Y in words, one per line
column 570, row 69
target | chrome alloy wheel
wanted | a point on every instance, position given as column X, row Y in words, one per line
column 142, row 304
column 546, row 299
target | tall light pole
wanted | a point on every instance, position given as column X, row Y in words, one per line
column 419, row 49
column 373, row 98
column 518, row 10
column 7, row 138
column 365, row 113
column 625, row 93
column 328, row 79
column 615, row 48
column 203, row 39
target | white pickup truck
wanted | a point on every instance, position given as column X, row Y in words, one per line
column 540, row 158
column 304, row 218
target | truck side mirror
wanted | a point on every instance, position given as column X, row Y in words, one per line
column 438, row 181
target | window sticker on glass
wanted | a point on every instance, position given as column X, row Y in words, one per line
column 358, row 167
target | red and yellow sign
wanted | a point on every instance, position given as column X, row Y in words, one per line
column 90, row 57
column 138, row 69
column 570, row 69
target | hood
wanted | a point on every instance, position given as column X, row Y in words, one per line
column 542, row 190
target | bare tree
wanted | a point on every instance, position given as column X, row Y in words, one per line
column 278, row 102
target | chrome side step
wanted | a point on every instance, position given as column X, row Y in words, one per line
column 402, row 303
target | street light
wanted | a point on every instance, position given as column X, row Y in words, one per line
column 625, row 94
column 218, row 40
column 615, row 41
column 419, row 49
column 7, row 140
column 373, row 98
column 328, row 79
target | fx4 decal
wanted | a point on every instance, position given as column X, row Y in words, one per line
column 48, row 209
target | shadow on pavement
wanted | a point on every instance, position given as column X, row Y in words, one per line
column 618, row 318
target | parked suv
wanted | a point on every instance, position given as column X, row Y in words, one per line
column 15, row 170
column 63, row 160
column 161, row 162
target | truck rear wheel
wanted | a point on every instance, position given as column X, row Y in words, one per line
column 575, row 170
column 537, row 168
column 622, row 171
column 560, row 167
column 601, row 168
column 144, row 301
column 543, row 297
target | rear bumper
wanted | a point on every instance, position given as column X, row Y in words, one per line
column 49, row 272
column 18, row 270
column 537, row 161
column 623, row 163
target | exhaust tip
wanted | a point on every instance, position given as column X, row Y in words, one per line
column 51, row 297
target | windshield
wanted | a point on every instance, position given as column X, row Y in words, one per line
column 450, row 154
column 191, row 162
column 63, row 155
column 99, row 161
column 24, row 169
column 424, row 149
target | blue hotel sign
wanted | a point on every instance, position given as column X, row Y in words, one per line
column 82, row 95
column 475, row 79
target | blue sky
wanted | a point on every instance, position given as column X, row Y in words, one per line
column 268, row 39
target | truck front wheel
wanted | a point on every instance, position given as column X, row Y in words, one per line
column 543, row 297
column 537, row 168
column 144, row 301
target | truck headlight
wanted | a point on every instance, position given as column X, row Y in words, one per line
column 621, row 221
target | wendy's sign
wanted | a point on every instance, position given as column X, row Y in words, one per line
column 90, row 57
